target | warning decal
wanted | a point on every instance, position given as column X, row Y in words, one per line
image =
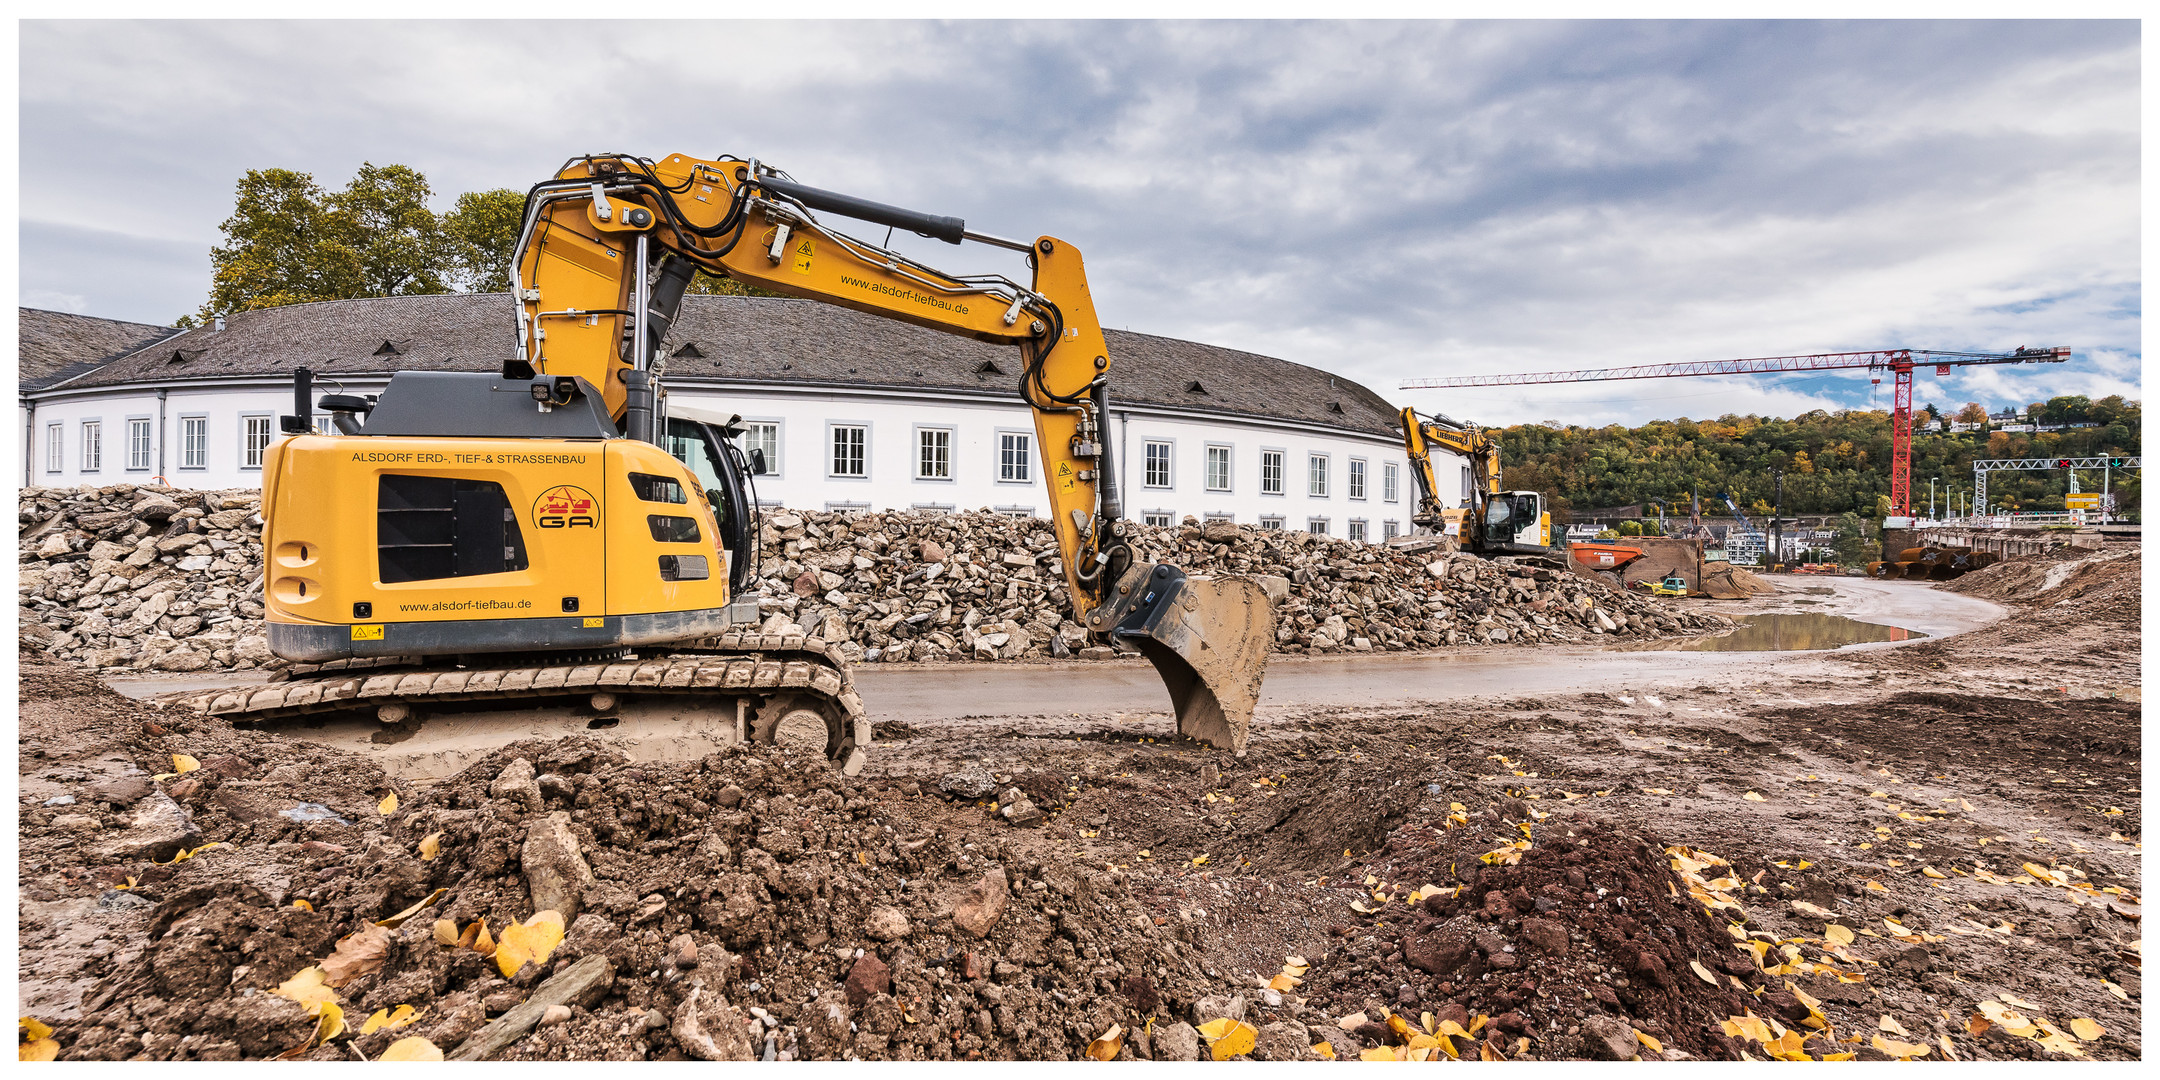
column 799, row 256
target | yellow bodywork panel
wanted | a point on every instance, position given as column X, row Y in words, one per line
column 582, row 531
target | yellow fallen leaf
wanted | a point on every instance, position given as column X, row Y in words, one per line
column 1841, row 934
column 2085, row 1028
column 1875, row 886
column 1657, row 791
column 529, row 942
column 1648, row 1041
column 430, row 846
column 1106, row 1048
column 182, row 763
column 1930, row 871
column 1889, row 1023
column 331, row 1022
column 1903, row 1051
column 1353, row 1021
column 1949, row 1052
column 1325, row 1050
column 446, row 932
column 1228, row 1038
column 307, row 988
column 1752, row 797
column 1806, row 908
column 44, row 1048
column 414, row 1048
column 399, row 918
column 1378, row 1053
column 1282, row 982
column 1702, row 972
column 1200, row 860
column 2115, row 990
column 303, row 905
column 388, row 806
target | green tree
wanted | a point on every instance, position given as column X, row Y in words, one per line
column 290, row 242
column 480, row 234
column 396, row 241
column 1629, row 528
column 705, row 284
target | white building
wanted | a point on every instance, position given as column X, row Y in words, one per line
column 852, row 411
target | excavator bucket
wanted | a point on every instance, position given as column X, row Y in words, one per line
column 1208, row 638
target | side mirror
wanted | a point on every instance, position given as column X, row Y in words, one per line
column 757, row 462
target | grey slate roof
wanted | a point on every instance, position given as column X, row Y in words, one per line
column 54, row 345
column 745, row 339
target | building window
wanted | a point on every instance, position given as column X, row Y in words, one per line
column 1316, row 526
column 1015, row 457
column 933, row 453
column 1316, row 476
column 1015, row 511
column 55, row 446
column 1157, row 474
column 762, row 438
column 138, row 443
column 1159, row 518
column 1271, row 472
column 1390, row 530
column 254, row 439
column 1357, row 530
column 1218, row 468
column 1273, row 524
column 194, row 442
column 1390, row 482
column 848, row 457
column 1357, row 478
column 1221, row 515
column 933, row 508
column 844, row 507
column 93, row 445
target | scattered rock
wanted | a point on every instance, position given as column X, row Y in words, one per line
column 984, row 904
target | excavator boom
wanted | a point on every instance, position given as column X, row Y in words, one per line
column 610, row 245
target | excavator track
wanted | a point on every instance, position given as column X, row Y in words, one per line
column 778, row 687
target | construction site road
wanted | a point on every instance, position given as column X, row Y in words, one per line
column 915, row 692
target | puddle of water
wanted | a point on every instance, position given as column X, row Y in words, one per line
column 1784, row 633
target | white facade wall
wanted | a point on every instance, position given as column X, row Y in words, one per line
column 802, row 476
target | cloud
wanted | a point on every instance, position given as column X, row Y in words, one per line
column 1385, row 200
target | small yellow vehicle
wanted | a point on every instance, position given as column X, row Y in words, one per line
column 1673, row 585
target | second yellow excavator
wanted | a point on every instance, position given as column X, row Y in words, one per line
column 553, row 536
column 1488, row 521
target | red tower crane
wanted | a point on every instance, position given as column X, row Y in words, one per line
column 1899, row 362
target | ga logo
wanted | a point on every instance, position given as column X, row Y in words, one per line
column 566, row 507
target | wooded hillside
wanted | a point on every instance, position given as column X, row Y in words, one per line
column 1833, row 462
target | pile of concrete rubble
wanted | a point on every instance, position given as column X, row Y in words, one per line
column 128, row 577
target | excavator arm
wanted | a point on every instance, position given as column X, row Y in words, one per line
column 1421, row 434
column 610, row 245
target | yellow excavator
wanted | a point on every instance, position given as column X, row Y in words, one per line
column 554, row 536
column 1488, row 521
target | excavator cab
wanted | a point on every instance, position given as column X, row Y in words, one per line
column 1516, row 522
column 705, row 442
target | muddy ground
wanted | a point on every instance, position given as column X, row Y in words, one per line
column 1869, row 852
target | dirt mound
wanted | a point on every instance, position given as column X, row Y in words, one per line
column 2107, row 582
column 749, row 904
column 1590, row 937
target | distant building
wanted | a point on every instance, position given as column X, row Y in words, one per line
column 852, row 411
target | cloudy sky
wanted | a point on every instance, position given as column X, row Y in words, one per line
column 1385, row 200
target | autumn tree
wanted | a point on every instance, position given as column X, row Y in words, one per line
column 1972, row 413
